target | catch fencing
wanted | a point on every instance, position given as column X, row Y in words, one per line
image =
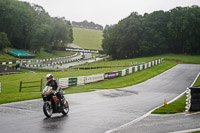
column 73, row 81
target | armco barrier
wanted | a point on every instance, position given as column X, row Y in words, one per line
column 133, row 69
column 136, row 68
column 72, row 81
column 130, row 70
column 63, row 82
column 141, row 67
column 193, row 99
column 149, row 64
column 119, row 73
column 94, row 78
column 67, row 82
column 152, row 63
column 127, row 71
column 145, row 66
column 111, row 75
column 81, row 80
column 123, row 72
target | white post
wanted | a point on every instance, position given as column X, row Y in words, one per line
column 0, row 87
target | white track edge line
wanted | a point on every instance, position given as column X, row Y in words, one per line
column 147, row 114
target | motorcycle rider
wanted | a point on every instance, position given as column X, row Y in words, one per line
column 55, row 87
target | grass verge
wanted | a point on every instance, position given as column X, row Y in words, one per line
column 10, row 83
column 128, row 80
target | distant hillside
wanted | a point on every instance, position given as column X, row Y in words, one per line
column 88, row 25
column 88, row 38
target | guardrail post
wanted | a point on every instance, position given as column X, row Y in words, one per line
column 41, row 85
column 20, row 87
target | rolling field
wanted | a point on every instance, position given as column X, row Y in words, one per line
column 88, row 38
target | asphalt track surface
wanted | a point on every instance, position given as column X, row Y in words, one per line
column 67, row 65
column 102, row 110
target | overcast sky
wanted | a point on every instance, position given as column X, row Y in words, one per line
column 106, row 11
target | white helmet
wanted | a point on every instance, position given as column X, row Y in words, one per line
column 49, row 76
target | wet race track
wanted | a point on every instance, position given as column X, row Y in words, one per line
column 99, row 111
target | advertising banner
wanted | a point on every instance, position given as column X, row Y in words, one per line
column 94, row 78
column 81, row 80
column 63, row 82
column 130, row 70
column 112, row 75
column 123, row 72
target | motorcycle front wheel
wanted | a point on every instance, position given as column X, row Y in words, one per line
column 65, row 108
column 47, row 109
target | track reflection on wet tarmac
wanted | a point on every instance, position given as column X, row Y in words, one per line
column 54, row 124
column 101, row 110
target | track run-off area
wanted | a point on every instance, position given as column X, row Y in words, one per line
column 101, row 110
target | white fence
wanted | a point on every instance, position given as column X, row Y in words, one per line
column 67, row 82
column 94, row 78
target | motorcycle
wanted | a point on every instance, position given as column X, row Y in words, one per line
column 52, row 104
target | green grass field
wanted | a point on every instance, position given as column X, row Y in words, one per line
column 88, row 38
column 10, row 83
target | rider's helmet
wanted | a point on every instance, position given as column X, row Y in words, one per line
column 49, row 77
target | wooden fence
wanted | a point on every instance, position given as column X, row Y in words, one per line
column 30, row 86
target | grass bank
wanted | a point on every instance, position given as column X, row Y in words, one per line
column 88, row 38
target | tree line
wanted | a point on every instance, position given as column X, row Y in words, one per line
column 175, row 31
column 29, row 26
column 88, row 25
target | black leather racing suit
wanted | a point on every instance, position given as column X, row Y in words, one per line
column 53, row 83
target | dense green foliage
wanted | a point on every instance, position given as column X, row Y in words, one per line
column 29, row 26
column 4, row 42
column 174, row 31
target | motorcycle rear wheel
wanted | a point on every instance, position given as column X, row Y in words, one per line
column 47, row 109
column 65, row 108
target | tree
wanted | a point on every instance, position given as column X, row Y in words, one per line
column 109, row 42
column 174, row 31
column 125, row 36
column 4, row 42
column 154, row 38
column 29, row 26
